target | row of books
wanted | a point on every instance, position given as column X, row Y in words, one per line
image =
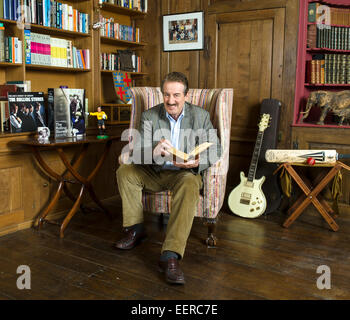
column 111, row 61
column 333, row 69
column 321, row 36
column 337, row 16
column 118, row 31
column 140, row 5
column 9, row 9
column 2, row 42
column 42, row 49
column 10, row 49
column 48, row 13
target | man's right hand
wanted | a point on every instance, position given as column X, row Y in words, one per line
column 161, row 149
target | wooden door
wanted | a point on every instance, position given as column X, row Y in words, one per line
column 246, row 54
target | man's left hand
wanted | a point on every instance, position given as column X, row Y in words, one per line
column 187, row 165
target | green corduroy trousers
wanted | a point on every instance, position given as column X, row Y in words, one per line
column 184, row 187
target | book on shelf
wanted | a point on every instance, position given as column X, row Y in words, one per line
column 5, row 89
column 329, row 69
column 191, row 155
column 41, row 49
column 68, row 111
column 338, row 16
column 329, row 37
column 10, row 9
column 22, row 86
column 4, row 115
column 54, row 14
column 112, row 61
column 140, row 5
column 11, row 49
column 2, row 42
column 311, row 36
column 27, row 111
column 312, row 11
column 118, row 31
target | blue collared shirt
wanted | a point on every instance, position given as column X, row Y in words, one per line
column 175, row 126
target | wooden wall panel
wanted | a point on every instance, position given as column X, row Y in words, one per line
column 187, row 62
column 150, row 32
column 10, row 190
column 252, row 66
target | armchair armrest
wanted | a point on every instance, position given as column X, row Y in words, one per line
column 214, row 186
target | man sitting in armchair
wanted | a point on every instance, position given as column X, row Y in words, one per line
column 151, row 167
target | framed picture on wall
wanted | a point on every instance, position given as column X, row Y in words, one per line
column 184, row 31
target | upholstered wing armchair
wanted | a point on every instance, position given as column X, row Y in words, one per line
column 218, row 102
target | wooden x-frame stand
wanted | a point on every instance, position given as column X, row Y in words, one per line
column 311, row 192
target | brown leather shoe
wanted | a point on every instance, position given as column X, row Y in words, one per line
column 131, row 240
column 173, row 273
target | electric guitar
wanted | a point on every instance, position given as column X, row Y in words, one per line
column 247, row 199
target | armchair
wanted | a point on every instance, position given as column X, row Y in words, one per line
column 218, row 102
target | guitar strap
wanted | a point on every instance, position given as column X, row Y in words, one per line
column 286, row 182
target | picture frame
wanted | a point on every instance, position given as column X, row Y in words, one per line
column 183, row 31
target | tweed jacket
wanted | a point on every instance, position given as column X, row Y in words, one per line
column 196, row 128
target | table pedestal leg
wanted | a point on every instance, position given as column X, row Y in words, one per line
column 65, row 178
column 51, row 204
column 72, row 212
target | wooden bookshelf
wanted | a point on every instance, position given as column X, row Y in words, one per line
column 115, row 111
column 118, row 42
column 133, row 74
column 58, row 32
column 98, row 83
column 107, row 97
column 54, row 68
column 44, row 76
column 8, row 21
column 10, row 65
column 123, row 11
column 325, row 46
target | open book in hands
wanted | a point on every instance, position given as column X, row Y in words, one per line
column 187, row 156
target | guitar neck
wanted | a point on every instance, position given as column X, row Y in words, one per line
column 343, row 156
column 255, row 157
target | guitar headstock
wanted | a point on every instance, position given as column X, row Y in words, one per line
column 264, row 122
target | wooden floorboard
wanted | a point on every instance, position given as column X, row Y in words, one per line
column 255, row 259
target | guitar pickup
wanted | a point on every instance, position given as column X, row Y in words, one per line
column 246, row 195
column 245, row 198
column 244, row 201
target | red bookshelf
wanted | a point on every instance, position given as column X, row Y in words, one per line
column 303, row 88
